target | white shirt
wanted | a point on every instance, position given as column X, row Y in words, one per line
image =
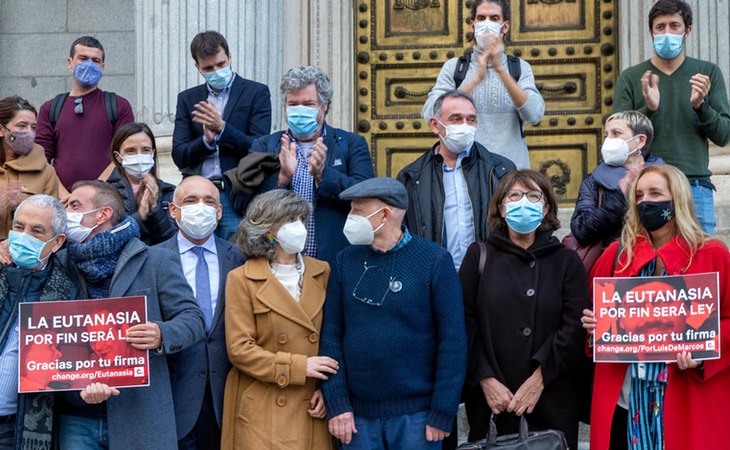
column 190, row 260
column 288, row 276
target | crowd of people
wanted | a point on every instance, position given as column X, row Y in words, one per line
column 296, row 301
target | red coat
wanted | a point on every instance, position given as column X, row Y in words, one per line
column 695, row 404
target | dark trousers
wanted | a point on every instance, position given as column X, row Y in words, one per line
column 619, row 429
column 206, row 433
column 7, row 433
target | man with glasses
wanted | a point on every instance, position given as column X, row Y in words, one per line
column 450, row 185
column 76, row 128
column 394, row 321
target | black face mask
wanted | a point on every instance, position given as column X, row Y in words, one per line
column 654, row 215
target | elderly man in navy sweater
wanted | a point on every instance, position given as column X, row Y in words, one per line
column 402, row 354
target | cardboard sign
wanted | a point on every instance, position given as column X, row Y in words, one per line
column 67, row 345
column 654, row 318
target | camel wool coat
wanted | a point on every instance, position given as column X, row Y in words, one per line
column 269, row 337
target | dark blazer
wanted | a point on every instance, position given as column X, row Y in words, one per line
column 348, row 162
column 143, row 417
column 247, row 116
column 208, row 358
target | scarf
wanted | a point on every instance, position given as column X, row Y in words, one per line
column 97, row 258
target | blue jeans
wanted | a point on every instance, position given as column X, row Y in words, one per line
column 704, row 207
column 395, row 433
column 83, row 433
column 229, row 221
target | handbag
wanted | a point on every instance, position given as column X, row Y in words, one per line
column 524, row 440
column 589, row 254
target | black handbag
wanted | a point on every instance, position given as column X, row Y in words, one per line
column 524, row 440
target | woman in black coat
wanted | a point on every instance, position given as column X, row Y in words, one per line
column 601, row 205
column 146, row 197
column 523, row 315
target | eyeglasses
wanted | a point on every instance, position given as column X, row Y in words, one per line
column 515, row 195
column 79, row 108
column 368, row 287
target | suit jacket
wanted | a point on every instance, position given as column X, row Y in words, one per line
column 143, row 418
column 208, row 358
column 348, row 162
column 247, row 116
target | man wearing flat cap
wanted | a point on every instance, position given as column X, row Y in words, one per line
column 402, row 355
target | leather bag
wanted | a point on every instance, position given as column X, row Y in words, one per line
column 524, row 440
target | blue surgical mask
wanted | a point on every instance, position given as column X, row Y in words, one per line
column 668, row 45
column 219, row 79
column 302, row 120
column 87, row 74
column 523, row 216
column 26, row 250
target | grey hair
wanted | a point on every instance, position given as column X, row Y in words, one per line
column 450, row 94
column 267, row 211
column 298, row 78
column 638, row 123
column 58, row 222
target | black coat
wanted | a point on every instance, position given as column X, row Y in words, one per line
column 424, row 181
column 523, row 313
column 159, row 226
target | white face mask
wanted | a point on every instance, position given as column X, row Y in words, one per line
column 137, row 166
column 615, row 151
column 75, row 232
column 459, row 137
column 359, row 231
column 198, row 221
column 292, row 236
column 485, row 27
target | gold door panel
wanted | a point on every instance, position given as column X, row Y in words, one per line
column 402, row 44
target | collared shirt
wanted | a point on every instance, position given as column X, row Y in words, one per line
column 9, row 371
column 211, row 167
column 458, row 214
column 190, row 260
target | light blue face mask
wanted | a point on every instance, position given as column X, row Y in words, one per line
column 668, row 45
column 219, row 79
column 26, row 250
column 523, row 216
column 302, row 120
column 87, row 74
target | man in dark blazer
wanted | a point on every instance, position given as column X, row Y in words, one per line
column 317, row 161
column 198, row 374
column 217, row 121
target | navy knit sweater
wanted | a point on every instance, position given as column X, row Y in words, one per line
column 401, row 349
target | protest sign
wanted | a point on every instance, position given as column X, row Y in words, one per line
column 654, row 318
column 67, row 345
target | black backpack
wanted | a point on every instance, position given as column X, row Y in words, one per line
column 513, row 66
column 110, row 103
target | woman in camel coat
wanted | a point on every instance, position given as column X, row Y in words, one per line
column 273, row 318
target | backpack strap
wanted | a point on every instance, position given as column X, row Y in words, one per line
column 462, row 66
column 56, row 106
column 515, row 69
column 110, row 103
column 482, row 257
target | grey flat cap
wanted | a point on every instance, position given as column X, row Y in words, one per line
column 388, row 190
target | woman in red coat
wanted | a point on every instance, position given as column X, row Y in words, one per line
column 662, row 237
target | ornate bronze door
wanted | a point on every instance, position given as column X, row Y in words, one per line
column 571, row 45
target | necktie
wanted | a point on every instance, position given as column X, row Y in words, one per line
column 202, row 286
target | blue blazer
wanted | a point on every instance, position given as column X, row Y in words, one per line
column 247, row 116
column 348, row 162
column 144, row 417
column 208, row 358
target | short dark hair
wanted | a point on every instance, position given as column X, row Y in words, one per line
column 86, row 41
column 528, row 177
column 665, row 7
column 208, row 43
column 106, row 195
column 504, row 4
column 450, row 94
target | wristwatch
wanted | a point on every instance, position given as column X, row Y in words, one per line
column 704, row 106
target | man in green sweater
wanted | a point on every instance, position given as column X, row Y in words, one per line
column 684, row 97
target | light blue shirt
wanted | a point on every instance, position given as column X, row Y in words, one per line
column 190, row 260
column 9, row 371
column 458, row 215
column 211, row 168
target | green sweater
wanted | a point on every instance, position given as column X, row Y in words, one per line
column 680, row 132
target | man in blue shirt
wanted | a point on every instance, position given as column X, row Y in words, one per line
column 217, row 121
